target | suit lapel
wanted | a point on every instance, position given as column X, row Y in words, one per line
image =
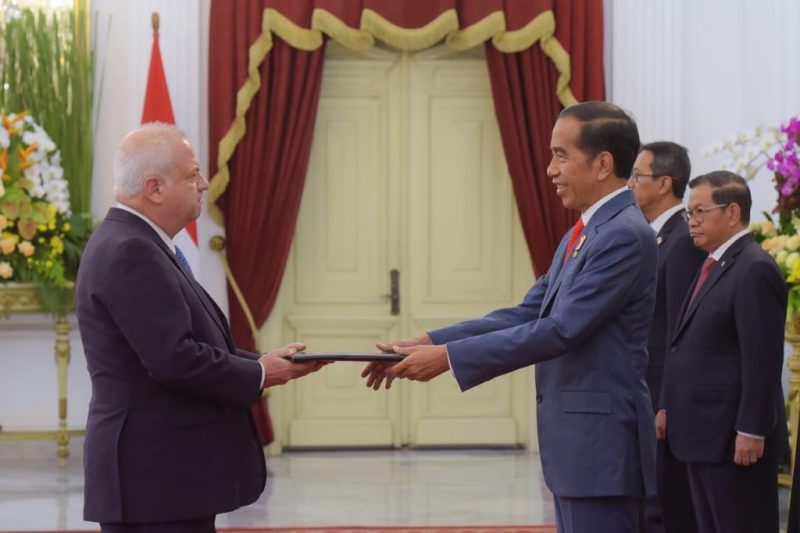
column 211, row 309
column 720, row 269
column 606, row 212
column 148, row 232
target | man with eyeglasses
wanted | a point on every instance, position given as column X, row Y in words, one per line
column 721, row 400
column 659, row 179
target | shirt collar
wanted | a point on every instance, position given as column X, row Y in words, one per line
column 658, row 223
column 717, row 254
column 586, row 215
column 159, row 231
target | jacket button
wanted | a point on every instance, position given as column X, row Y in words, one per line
column 538, row 398
column 673, row 349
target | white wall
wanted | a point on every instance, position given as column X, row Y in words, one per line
column 696, row 72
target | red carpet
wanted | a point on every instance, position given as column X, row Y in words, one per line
column 435, row 529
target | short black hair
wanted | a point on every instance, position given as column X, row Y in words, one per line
column 605, row 127
column 727, row 188
column 671, row 159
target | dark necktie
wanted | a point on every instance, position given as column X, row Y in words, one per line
column 576, row 231
column 707, row 266
column 183, row 262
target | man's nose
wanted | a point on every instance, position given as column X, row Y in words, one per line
column 202, row 183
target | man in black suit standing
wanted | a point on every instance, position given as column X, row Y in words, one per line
column 721, row 399
column 659, row 179
column 170, row 441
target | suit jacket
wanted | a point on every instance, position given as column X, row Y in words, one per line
column 585, row 325
column 169, row 434
column 678, row 262
column 723, row 370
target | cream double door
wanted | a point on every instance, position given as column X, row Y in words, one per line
column 408, row 223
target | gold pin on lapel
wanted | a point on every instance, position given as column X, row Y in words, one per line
column 578, row 247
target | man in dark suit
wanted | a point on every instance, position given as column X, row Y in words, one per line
column 659, row 179
column 721, row 400
column 584, row 324
column 169, row 437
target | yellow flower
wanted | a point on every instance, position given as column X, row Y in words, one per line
column 794, row 275
column 5, row 270
column 793, row 242
column 3, row 220
column 26, row 248
column 57, row 245
column 792, row 260
column 781, row 257
column 67, row 227
column 767, row 228
column 48, row 264
column 7, row 245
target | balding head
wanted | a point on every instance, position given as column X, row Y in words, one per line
column 156, row 173
column 146, row 151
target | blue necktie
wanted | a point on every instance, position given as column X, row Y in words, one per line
column 183, row 262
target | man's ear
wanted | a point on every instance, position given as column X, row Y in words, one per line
column 153, row 189
column 734, row 214
column 605, row 165
column 665, row 185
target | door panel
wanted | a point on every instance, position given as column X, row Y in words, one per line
column 461, row 249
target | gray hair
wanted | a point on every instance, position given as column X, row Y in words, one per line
column 147, row 151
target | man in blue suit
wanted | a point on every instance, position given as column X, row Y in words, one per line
column 585, row 324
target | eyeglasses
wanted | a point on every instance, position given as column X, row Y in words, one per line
column 635, row 176
column 700, row 213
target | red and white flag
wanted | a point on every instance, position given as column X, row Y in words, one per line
column 158, row 108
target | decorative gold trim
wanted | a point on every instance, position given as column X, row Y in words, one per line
column 408, row 39
column 445, row 26
column 19, row 298
column 480, row 32
column 25, row 298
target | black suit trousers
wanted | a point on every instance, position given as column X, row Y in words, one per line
column 729, row 498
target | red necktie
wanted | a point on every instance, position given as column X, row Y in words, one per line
column 576, row 231
column 707, row 266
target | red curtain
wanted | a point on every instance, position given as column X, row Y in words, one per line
column 524, row 90
column 269, row 165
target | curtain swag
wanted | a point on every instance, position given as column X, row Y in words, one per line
column 445, row 26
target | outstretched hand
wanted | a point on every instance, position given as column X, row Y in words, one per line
column 278, row 370
column 422, row 363
column 376, row 372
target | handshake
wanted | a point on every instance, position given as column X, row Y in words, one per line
column 423, row 361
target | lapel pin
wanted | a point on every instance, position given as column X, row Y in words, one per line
column 578, row 247
column 659, row 239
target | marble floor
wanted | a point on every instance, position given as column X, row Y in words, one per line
column 349, row 488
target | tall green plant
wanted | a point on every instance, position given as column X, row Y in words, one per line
column 47, row 68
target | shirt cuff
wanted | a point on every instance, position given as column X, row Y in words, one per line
column 742, row 433
column 263, row 375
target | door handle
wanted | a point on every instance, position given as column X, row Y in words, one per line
column 394, row 296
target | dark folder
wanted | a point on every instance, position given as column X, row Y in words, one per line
column 300, row 357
